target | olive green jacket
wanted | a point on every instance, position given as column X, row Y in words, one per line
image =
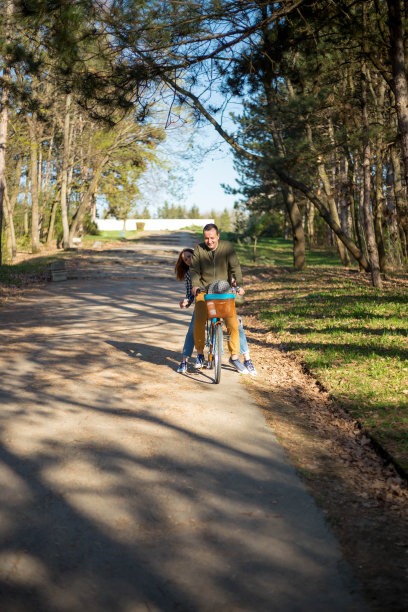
column 208, row 266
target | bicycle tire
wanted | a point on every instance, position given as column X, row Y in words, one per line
column 217, row 353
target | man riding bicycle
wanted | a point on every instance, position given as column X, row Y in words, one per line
column 213, row 260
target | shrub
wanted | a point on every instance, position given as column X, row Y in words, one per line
column 140, row 226
column 90, row 227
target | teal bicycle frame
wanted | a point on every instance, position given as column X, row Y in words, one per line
column 214, row 340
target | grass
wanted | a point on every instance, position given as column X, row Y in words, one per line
column 113, row 236
column 279, row 252
column 28, row 271
column 351, row 337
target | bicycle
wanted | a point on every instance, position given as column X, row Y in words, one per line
column 219, row 305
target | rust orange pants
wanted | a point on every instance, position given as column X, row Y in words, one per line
column 200, row 318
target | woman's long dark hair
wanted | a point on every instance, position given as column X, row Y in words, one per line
column 181, row 267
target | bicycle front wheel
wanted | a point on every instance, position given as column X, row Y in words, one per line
column 217, row 353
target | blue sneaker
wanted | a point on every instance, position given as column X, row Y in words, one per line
column 250, row 367
column 182, row 369
column 238, row 366
column 199, row 363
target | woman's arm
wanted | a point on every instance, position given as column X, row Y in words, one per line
column 189, row 292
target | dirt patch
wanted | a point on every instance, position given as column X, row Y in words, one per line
column 362, row 495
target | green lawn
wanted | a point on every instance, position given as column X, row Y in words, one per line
column 352, row 337
column 279, row 252
column 115, row 236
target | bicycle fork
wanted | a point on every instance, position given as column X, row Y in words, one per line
column 211, row 329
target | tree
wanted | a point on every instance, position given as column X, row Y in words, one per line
column 225, row 221
column 399, row 74
column 4, row 103
column 121, row 191
column 145, row 214
column 298, row 65
column 194, row 212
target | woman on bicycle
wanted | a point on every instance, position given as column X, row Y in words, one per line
column 182, row 270
column 183, row 273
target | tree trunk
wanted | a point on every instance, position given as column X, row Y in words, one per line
column 3, row 145
column 368, row 217
column 399, row 192
column 35, row 234
column 404, row 243
column 344, row 202
column 378, row 209
column 356, row 203
column 11, row 234
column 10, row 199
column 26, row 206
column 345, row 260
column 64, row 178
column 310, row 224
column 298, row 234
column 52, row 222
column 45, row 183
column 93, row 208
column 399, row 74
column 4, row 101
column 254, row 248
column 86, row 200
column 392, row 215
column 41, row 202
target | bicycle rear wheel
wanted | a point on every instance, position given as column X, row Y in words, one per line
column 217, row 353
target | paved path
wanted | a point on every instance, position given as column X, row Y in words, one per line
column 126, row 487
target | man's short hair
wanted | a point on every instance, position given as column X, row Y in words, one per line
column 209, row 227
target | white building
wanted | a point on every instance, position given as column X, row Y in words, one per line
column 111, row 225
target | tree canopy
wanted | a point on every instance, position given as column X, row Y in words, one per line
column 323, row 88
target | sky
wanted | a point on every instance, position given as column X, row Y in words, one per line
column 209, row 164
column 199, row 173
column 216, row 168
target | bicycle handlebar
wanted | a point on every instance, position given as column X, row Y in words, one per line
column 203, row 290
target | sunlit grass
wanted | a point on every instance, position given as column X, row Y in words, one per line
column 110, row 236
column 279, row 252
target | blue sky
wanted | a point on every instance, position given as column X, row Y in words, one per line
column 198, row 161
column 206, row 191
column 200, row 167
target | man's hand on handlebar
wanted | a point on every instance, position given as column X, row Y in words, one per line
column 239, row 290
column 194, row 290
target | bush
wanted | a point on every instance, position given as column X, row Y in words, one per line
column 90, row 227
column 231, row 236
column 140, row 226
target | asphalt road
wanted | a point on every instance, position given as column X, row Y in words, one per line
column 127, row 487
